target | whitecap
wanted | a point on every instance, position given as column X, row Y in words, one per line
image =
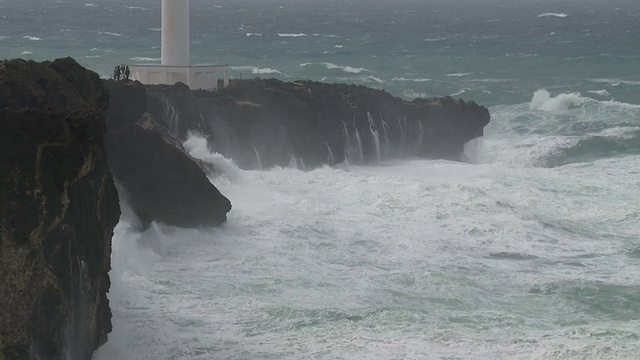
column 558, row 15
column 32, row 38
column 458, row 74
column 141, row 59
column 621, row 104
column 367, row 79
column 109, row 33
column 461, row 92
column 136, row 8
column 254, row 34
column 256, row 70
column 620, row 132
column 600, row 92
column 347, row 68
column 410, row 79
column 26, row 53
column 90, row 5
column 331, row 66
column 292, row 35
column 154, row 29
column 434, row 39
column 616, row 82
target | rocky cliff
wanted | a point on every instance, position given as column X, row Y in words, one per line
column 264, row 123
column 58, row 209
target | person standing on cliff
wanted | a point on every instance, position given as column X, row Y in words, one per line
column 116, row 71
column 127, row 73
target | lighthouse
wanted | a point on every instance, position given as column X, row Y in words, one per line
column 175, row 63
column 176, row 35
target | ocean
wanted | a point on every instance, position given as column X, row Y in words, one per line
column 529, row 251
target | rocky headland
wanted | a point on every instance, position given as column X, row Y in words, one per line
column 265, row 123
column 66, row 138
column 58, row 208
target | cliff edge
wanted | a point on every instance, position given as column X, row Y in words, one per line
column 58, row 209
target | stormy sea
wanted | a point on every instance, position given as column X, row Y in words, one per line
column 529, row 250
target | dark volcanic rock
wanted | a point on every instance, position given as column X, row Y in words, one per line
column 162, row 181
column 58, row 208
column 262, row 123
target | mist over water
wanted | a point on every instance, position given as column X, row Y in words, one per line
column 530, row 250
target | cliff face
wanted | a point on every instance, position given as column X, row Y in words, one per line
column 163, row 182
column 58, row 209
column 262, row 123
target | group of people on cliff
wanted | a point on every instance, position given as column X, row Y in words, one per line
column 121, row 72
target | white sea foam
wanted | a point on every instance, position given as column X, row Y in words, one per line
column 434, row 39
column 340, row 262
column 32, row 38
column 154, row 29
column 135, row 8
column 254, row 34
column 26, row 53
column 600, row 92
column 458, row 74
column 542, row 100
column 256, row 70
column 90, row 5
column 558, row 15
column 144, row 59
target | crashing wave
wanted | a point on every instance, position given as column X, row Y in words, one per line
column 542, row 100
column 32, row 38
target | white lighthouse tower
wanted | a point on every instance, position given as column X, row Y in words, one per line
column 175, row 65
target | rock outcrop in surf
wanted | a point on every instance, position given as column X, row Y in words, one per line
column 265, row 123
column 162, row 182
column 58, row 209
